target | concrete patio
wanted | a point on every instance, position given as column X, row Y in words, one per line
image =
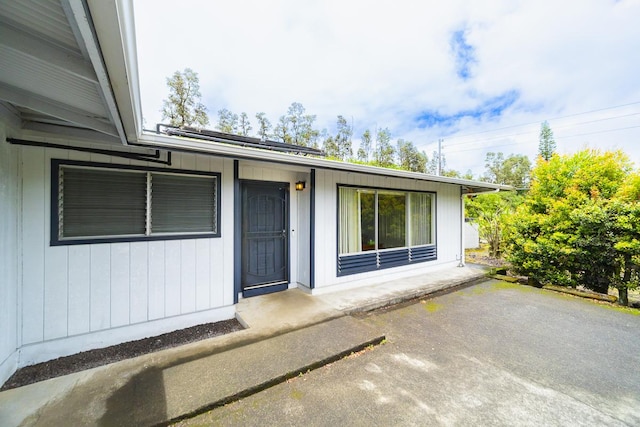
column 287, row 333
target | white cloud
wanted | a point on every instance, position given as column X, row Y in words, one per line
column 384, row 64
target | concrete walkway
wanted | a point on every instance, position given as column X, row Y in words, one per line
column 287, row 333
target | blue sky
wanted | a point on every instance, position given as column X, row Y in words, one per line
column 480, row 75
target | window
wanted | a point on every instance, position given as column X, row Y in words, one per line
column 107, row 203
column 420, row 215
column 183, row 204
column 392, row 219
column 380, row 228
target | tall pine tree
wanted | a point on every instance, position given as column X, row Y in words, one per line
column 547, row 144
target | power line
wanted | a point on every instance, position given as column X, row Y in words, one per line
column 562, row 137
column 538, row 122
column 601, row 131
column 555, row 128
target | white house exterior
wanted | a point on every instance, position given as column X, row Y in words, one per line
column 71, row 279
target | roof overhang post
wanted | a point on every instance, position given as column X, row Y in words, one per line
column 462, row 252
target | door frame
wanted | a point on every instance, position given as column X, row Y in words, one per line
column 238, row 228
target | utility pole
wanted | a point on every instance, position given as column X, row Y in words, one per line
column 440, row 156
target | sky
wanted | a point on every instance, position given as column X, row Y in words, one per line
column 481, row 76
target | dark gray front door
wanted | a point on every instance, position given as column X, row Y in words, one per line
column 265, row 237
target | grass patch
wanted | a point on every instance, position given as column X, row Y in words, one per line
column 508, row 285
column 561, row 292
column 505, row 285
column 296, row 394
column 431, row 306
column 622, row 309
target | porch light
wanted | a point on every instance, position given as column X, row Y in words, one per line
column 300, row 185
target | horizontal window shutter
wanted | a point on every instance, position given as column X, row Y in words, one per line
column 183, row 204
column 102, row 203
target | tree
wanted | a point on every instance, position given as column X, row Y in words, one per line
column 365, row 147
column 452, row 173
column 264, row 126
column 296, row 127
column 625, row 210
column 547, row 144
column 281, row 130
column 514, row 170
column 330, row 147
column 244, row 124
column 301, row 125
column 438, row 161
column 384, row 153
column 576, row 226
column 409, row 158
column 491, row 213
column 295, row 120
column 227, row 121
column 343, row 139
column 183, row 107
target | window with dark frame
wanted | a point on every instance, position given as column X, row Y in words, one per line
column 380, row 228
column 97, row 203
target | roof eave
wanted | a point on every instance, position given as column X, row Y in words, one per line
column 114, row 26
column 176, row 143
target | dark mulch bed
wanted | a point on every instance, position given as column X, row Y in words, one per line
column 94, row 358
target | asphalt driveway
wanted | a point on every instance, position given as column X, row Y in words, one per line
column 491, row 354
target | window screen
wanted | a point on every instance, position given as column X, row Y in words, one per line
column 182, row 204
column 103, row 203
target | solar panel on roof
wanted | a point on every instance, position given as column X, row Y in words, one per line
column 244, row 141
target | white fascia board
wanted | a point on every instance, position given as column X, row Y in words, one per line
column 82, row 25
column 227, row 150
column 115, row 29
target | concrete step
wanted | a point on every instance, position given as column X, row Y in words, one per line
column 160, row 395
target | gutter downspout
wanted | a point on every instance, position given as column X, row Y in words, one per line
column 462, row 196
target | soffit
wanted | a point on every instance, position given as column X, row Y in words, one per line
column 50, row 69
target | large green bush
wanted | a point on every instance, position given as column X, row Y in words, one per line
column 579, row 223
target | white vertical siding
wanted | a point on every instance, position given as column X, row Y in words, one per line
column 10, row 255
column 448, row 222
column 188, row 280
column 157, row 280
column 56, row 285
column 172, row 271
column 55, row 278
column 99, row 287
column 139, row 282
column 222, row 255
column 119, row 284
column 303, row 229
column 76, row 291
column 79, row 315
column 33, row 238
column 202, row 274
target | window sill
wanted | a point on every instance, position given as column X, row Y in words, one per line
column 125, row 239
